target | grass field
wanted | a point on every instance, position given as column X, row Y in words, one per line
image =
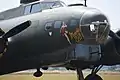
column 57, row 76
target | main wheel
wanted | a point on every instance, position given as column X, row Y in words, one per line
column 93, row 77
column 38, row 74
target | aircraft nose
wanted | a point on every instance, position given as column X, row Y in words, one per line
column 94, row 26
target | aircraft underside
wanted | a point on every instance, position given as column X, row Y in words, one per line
column 67, row 57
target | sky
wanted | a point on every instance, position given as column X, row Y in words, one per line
column 111, row 8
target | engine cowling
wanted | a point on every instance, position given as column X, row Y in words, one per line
column 111, row 49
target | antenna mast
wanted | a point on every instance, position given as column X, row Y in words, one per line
column 85, row 3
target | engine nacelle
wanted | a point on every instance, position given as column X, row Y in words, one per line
column 111, row 50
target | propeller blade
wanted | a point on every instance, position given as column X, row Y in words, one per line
column 114, row 35
column 17, row 29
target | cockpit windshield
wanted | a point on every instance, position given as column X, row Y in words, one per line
column 50, row 5
column 43, row 5
column 46, row 5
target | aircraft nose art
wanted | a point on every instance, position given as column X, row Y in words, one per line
column 95, row 27
column 72, row 33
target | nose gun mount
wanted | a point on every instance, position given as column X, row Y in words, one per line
column 96, row 32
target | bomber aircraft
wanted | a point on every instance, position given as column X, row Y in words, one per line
column 49, row 33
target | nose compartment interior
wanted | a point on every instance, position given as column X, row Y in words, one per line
column 94, row 26
column 95, row 33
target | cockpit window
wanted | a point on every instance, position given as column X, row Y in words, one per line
column 50, row 5
column 48, row 25
column 57, row 24
column 73, row 23
column 57, row 4
column 46, row 5
column 36, row 8
column 27, row 9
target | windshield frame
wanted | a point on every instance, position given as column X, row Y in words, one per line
column 51, row 5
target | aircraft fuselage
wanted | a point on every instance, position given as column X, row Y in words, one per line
column 41, row 45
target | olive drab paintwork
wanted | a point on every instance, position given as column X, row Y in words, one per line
column 41, row 44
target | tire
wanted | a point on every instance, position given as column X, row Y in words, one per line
column 93, row 77
column 38, row 74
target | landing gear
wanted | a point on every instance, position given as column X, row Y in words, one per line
column 38, row 73
column 45, row 68
column 92, row 76
column 80, row 74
